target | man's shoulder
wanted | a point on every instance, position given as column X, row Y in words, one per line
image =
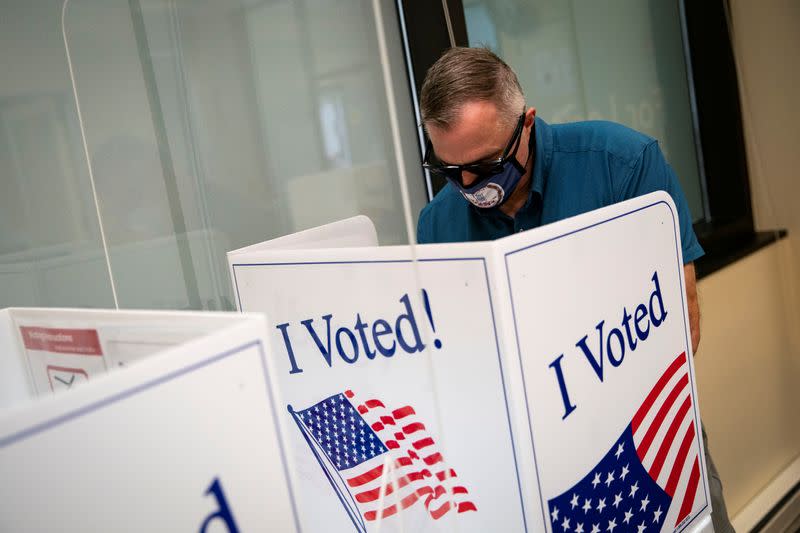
column 604, row 136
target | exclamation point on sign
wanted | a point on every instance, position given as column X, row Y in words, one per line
column 427, row 302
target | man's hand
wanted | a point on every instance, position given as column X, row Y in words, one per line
column 692, row 304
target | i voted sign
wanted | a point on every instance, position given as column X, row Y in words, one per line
column 610, row 398
column 373, row 371
column 541, row 382
column 363, row 337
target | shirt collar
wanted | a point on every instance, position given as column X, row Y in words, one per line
column 544, row 156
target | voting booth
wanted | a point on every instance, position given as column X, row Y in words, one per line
column 138, row 421
column 541, row 382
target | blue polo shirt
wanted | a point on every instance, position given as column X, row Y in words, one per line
column 579, row 167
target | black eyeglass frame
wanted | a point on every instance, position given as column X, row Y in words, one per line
column 484, row 170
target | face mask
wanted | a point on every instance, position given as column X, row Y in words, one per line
column 498, row 188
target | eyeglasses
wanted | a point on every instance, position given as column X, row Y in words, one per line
column 483, row 169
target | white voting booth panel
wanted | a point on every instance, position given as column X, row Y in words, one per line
column 138, row 421
column 541, row 382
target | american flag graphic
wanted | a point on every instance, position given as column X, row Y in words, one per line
column 380, row 461
column 652, row 466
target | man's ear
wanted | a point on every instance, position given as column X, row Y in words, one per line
column 530, row 114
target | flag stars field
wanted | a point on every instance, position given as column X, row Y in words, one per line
column 617, row 500
column 601, row 505
column 644, row 503
column 618, row 493
column 628, row 515
column 620, row 449
column 657, row 515
column 574, row 502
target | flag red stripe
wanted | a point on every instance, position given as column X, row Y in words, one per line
column 413, row 476
column 399, row 435
column 374, row 494
column 438, row 490
column 392, row 444
column 411, row 428
column 433, row 459
column 406, row 502
column 422, row 491
column 466, row 506
column 423, row 443
column 445, row 474
column 666, row 444
column 691, row 489
column 366, row 477
column 412, row 498
column 403, row 412
column 677, row 466
column 388, row 511
column 433, row 494
column 659, row 386
column 401, row 462
column 374, row 403
column 641, row 450
column 416, row 476
column 377, row 426
column 387, row 420
column 409, row 500
column 441, row 511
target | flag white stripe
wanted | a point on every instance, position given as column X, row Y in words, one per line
column 650, row 417
column 663, row 429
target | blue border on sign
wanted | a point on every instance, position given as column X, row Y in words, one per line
column 65, row 418
column 494, row 328
column 686, row 345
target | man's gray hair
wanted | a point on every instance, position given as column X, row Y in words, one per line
column 465, row 75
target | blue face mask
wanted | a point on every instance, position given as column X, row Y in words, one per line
column 495, row 191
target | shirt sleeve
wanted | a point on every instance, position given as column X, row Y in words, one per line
column 650, row 173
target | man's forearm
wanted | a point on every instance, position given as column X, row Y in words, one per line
column 692, row 304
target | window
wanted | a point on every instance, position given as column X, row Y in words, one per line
column 663, row 67
column 611, row 60
column 209, row 125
